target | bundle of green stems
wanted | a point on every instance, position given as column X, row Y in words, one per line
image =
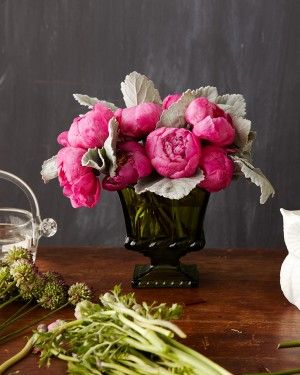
column 119, row 336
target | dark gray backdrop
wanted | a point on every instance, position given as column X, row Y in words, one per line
column 52, row 48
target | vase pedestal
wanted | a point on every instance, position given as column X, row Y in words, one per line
column 165, row 276
column 164, row 230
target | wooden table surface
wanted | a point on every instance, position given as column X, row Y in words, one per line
column 236, row 317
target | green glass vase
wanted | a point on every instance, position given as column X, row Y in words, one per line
column 164, row 230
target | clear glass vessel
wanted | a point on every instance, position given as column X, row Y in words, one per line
column 19, row 227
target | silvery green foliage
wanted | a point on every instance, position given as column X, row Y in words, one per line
column 90, row 102
column 49, row 169
column 174, row 116
column 104, row 159
column 209, row 92
column 93, row 159
column 242, row 129
column 256, row 176
column 137, row 89
column 110, row 146
column 246, row 151
column 234, row 104
column 168, row 187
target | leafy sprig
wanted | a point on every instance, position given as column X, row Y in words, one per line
column 120, row 336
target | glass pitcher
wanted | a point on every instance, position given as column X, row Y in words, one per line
column 19, row 227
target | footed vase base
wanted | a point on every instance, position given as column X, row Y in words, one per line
column 165, row 276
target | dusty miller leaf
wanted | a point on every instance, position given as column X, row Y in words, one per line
column 173, row 117
column 168, row 187
column 242, row 127
column 49, row 169
column 110, row 145
column 137, row 89
column 234, row 104
column 246, row 151
column 209, row 92
column 90, row 102
column 92, row 159
column 256, row 176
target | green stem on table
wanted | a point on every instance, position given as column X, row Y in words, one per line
column 63, row 356
column 142, row 364
column 12, row 299
column 197, row 356
column 119, row 367
column 10, row 286
column 289, row 344
column 16, row 316
column 5, row 338
column 17, row 357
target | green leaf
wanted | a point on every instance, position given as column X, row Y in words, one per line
column 246, row 151
column 242, row 127
column 49, row 169
column 209, row 92
column 234, row 104
column 137, row 89
column 110, row 145
column 92, row 159
column 256, row 176
column 168, row 187
column 90, row 102
column 174, row 116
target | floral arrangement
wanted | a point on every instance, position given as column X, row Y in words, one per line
column 169, row 147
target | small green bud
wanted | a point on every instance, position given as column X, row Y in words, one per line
column 23, row 272
column 51, row 276
column 54, row 295
column 4, row 274
column 33, row 290
column 79, row 292
column 17, row 253
column 7, row 287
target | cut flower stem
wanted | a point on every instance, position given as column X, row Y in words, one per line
column 14, row 334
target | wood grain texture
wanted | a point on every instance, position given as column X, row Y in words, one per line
column 237, row 316
column 50, row 49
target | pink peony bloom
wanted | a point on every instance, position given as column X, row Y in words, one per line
column 218, row 168
column 138, row 121
column 169, row 100
column 210, row 122
column 89, row 130
column 174, row 152
column 133, row 164
column 215, row 130
column 79, row 183
column 62, row 139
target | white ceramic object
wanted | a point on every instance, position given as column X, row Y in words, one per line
column 290, row 269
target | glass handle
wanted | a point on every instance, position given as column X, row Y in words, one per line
column 47, row 227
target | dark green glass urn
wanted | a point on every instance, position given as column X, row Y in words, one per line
column 164, row 230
